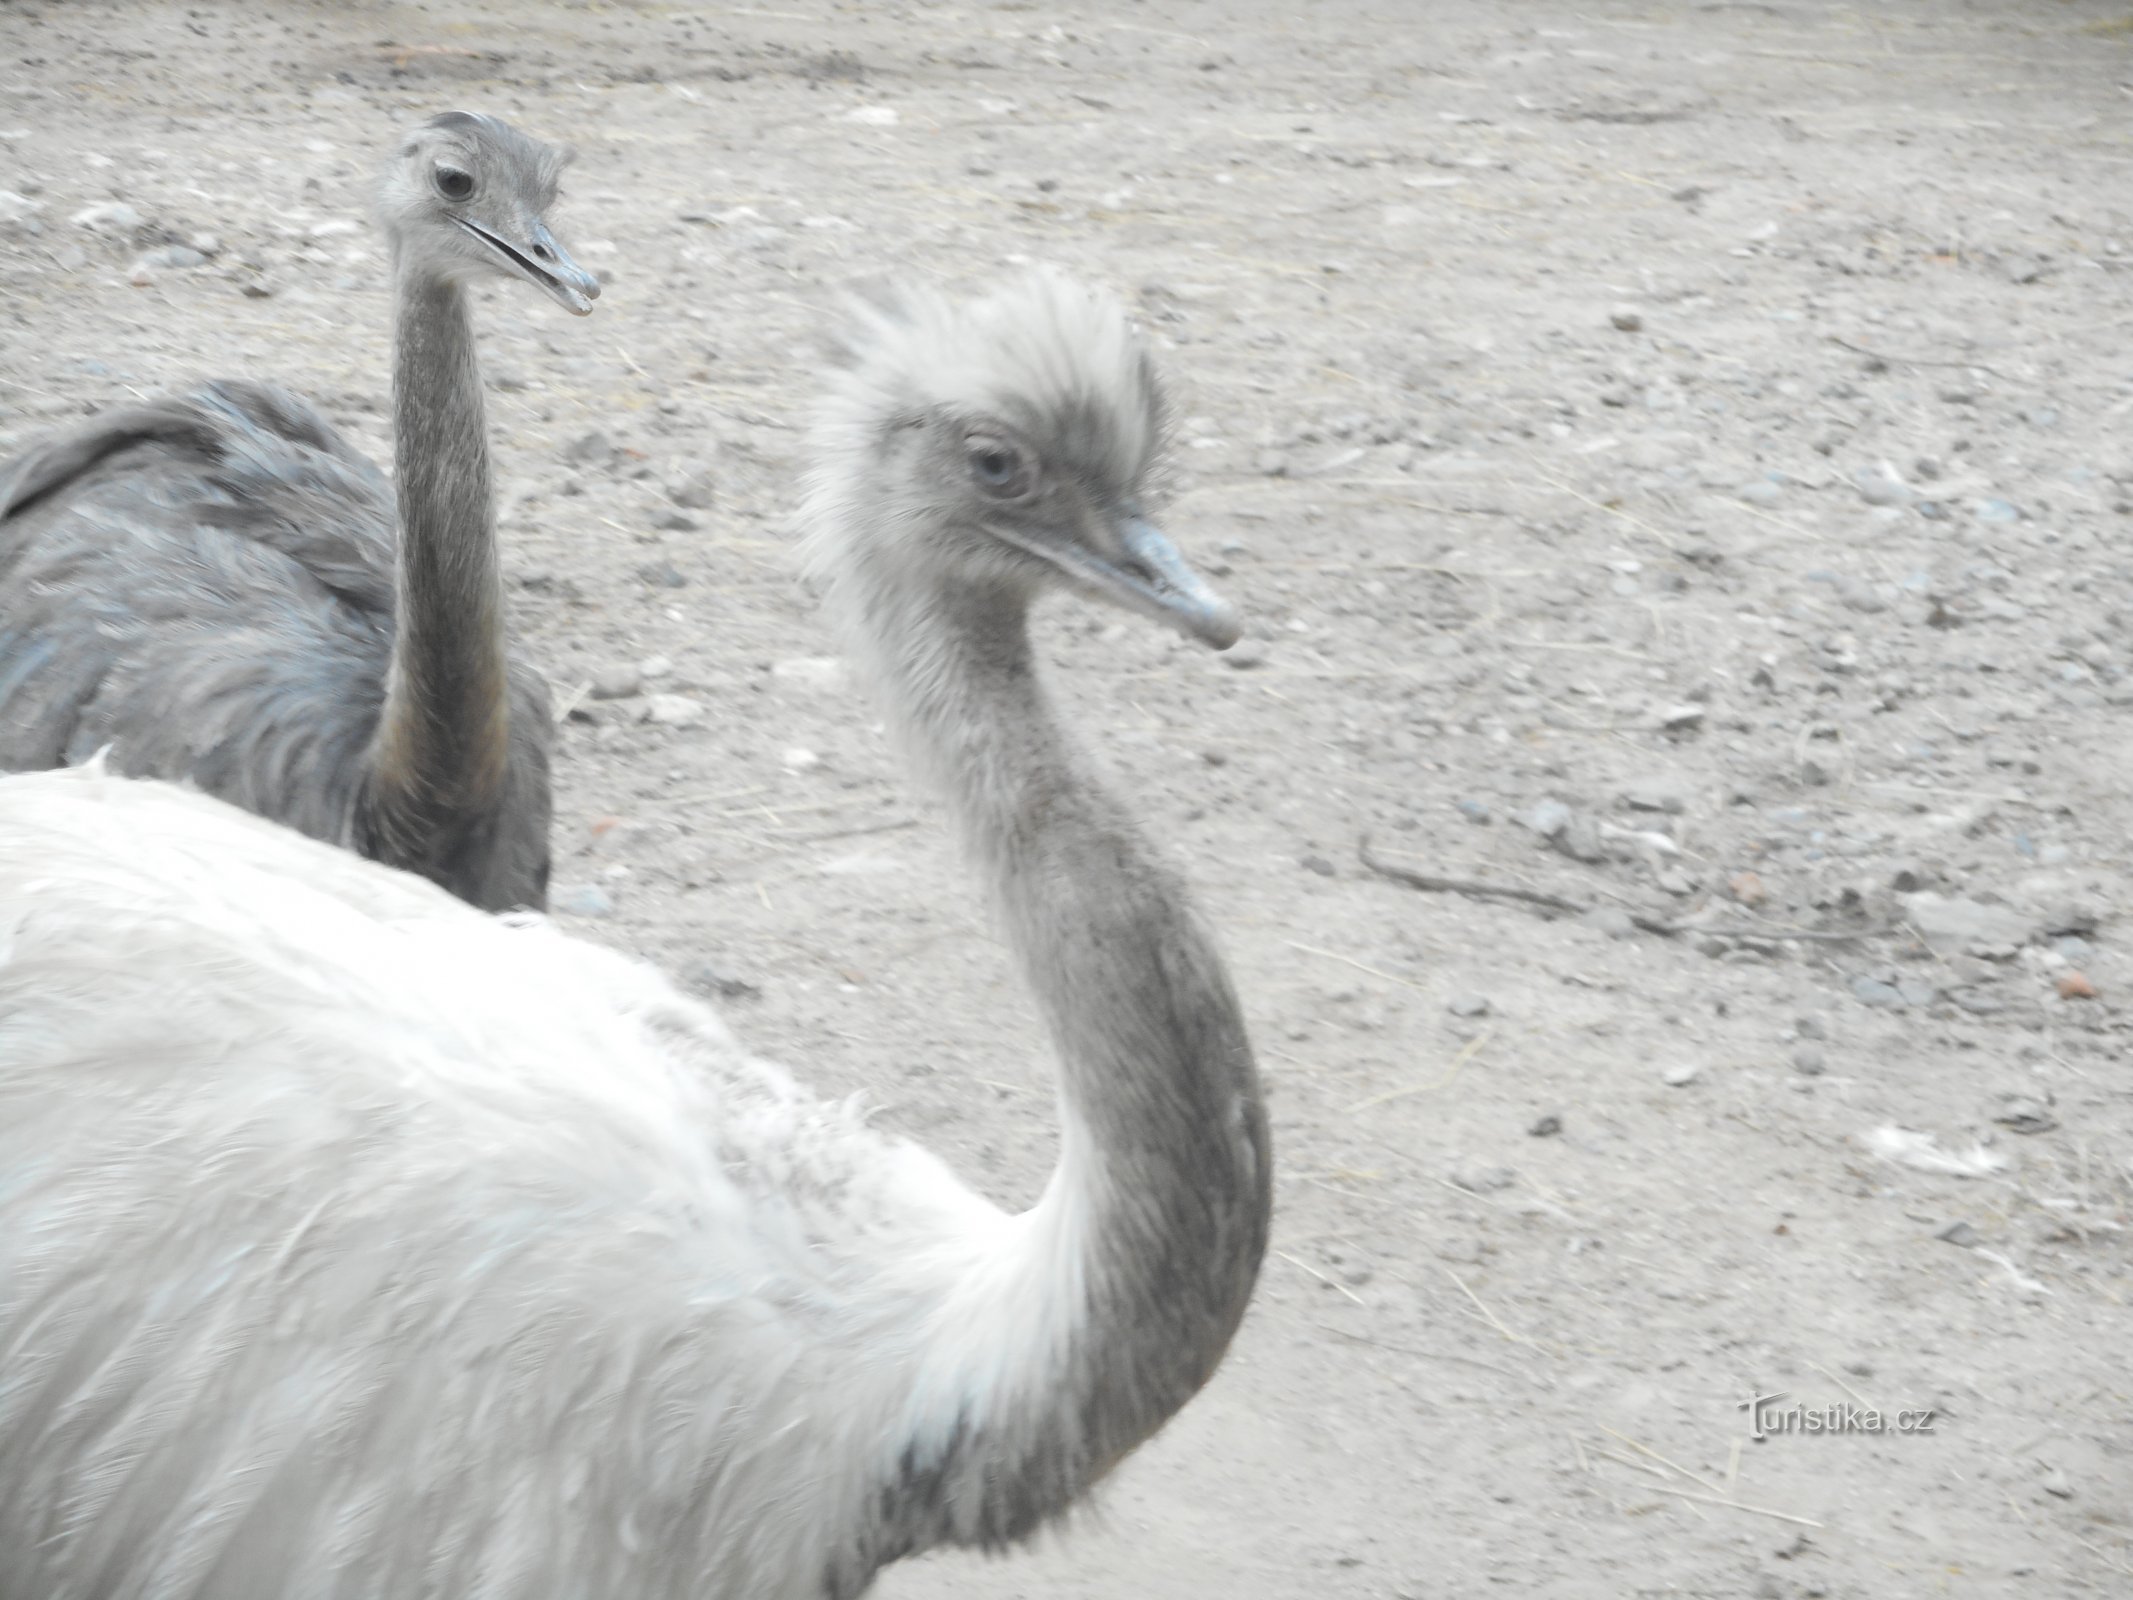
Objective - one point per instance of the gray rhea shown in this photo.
(219, 589)
(400, 1250)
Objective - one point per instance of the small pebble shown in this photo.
(616, 683)
(676, 522)
(112, 216)
(2075, 985)
(1271, 464)
(1807, 1061)
(673, 711)
(1245, 653)
(797, 759)
(1760, 492)
(586, 900)
(694, 487)
(714, 982)
(587, 449)
(2025, 1115)
(1546, 1127)
(1474, 811)
(1610, 920)
(1627, 318)
(1317, 864)
(1483, 1180)
(655, 667)
(663, 575)
(1469, 1005)
(1873, 992)
(1680, 1073)
(1880, 487)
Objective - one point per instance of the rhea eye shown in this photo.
(454, 183)
(997, 465)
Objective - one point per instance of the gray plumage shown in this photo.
(217, 587)
(354, 1244)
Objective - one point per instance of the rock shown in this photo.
(693, 486)
(1627, 318)
(1474, 811)
(797, 759)
(1879, 486)
(1271, 464)
(1483, 1180)
(714, 982)
(1917, 991)
(1955, 926)
(1545, 1127)
(1469, 1005)
(2075, 986)
(208, 244)
(1759, 492)
(1810, 1028)
(1959, 1233)
(1245, 654)
(655, 667)
(616, 683)
(1873, 992)
(111, 216)
(676, 522)
(1610, 920)
(2058, 1485)
(1746, 887)
(588, 449)
(1995, 511)
(1860, 597)
(1808, 1062)
(1317, 864)
(822, 674)
(1681, 1074)
(1681, 719)
(2024, 1114)
(15, 207)
(1548, 818)
(585, 900)
(663, 575)
(673, 711)
(1666, 792)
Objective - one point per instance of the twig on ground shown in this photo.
(1479, 889)
(1499, 891)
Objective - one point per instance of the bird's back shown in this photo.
(204, 584)
(355, 1243)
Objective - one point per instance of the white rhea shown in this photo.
(354, 1244)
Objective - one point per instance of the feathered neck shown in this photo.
(443, 739)
(1110, 1303)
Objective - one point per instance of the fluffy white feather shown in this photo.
(327, 1197)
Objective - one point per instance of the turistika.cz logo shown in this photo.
(1768, 1416)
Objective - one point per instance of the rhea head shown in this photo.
(468, 196)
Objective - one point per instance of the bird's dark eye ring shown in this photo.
(997, 465)
(454, 183)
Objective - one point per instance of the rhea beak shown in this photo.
(544, 263)
(1149, 576)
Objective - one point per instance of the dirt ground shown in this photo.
(1707, 418)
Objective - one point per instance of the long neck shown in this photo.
(1111, 1302)
(442, 740)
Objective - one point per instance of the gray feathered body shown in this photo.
(205, 584)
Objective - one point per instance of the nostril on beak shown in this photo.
(544, 252)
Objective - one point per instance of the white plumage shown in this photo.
(354, 1243)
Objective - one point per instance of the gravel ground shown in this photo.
(1673, 459)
